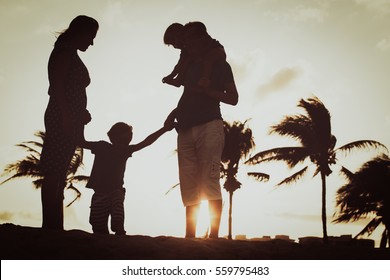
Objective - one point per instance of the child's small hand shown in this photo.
(165, 79)
(170, 81)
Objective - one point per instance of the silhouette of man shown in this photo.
(200, 130)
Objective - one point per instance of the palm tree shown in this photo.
(313, 131)
(239, 143)
(29, 166)
(367, 192)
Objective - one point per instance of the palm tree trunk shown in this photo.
(324, 229)
(230, 214)
(384, 238)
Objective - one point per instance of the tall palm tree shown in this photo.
(313, 131)
(29, 166)
(239, 143)
(367, 192)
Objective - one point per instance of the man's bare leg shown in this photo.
(215, 211)
(191, 220)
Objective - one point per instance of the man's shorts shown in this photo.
(199, 153)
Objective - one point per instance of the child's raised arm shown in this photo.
(86, 144)
(151, 138)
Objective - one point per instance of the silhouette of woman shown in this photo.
(65, 115)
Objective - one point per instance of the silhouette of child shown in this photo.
(175, 35)
(107, 175)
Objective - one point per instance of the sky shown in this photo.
(280, 51)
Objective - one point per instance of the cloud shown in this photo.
(299, 216)
(317, 11)
(2, 77)
(114, 15)
(245, 65)
(279, 80)
(45, 29)
(383, 44)
(303, 14)
(387, 121)
(6, 216)
(381, 7)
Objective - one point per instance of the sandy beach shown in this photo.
(28, 243)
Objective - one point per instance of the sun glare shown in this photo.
(203, 220)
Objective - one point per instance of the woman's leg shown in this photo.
(52, 196)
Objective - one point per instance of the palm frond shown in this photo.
(291, 155)
(38, 182)
(171, 188)
(346, 173)
(366, 190)
(320, 168)
(28, 148)
(370, 227)
(231, 184)
(295, 177)
(78, 194)
(77, 161)
(258, 176)
(80, 178)
(27, 167)
(362, 144)
(384, 239)
(40, 134)
(30, 167)
(239, 141)
(353, 203)
(297, 127)
(319, 116)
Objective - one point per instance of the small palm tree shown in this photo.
(29, 166)
(313, 131)
(367, 192)
(239, 143)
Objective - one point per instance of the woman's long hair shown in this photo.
(79, 25)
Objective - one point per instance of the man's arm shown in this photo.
(170, 121)
(151, 138)
(228, 96)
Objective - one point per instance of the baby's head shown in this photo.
(195, 37)
(120, 133)
(174, 35)
(195, 29)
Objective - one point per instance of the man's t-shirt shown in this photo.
(196, 108)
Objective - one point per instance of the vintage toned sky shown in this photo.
(280, 52)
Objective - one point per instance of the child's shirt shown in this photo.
(108, 167)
